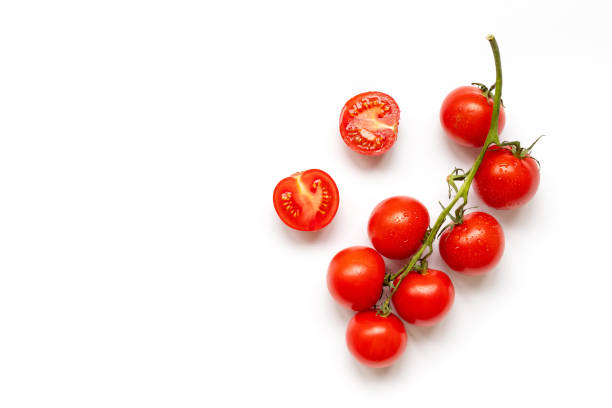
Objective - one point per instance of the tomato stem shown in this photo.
(394, 280)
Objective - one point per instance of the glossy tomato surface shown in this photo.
(475, 246)
(307, 200)
(505, 181)
(424, 299)
(368, 123)
(397, 226)
(355, 277)
(374, 340)
(466, 116)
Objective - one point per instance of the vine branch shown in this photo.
(419, 260)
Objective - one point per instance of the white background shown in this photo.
(142, 263)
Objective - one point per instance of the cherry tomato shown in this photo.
(368, 123)
(397, 226)
(424, 299)
(355, 277)
(505, 181)
(307, 200)
(466, 116)
(475, 246)
(374, 340)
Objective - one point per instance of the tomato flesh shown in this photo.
(374, 340)
(307, 200)
(475, 246)
(369, 122)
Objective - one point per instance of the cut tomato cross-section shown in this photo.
(368, 123)
(307, 200)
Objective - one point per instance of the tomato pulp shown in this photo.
(307, 200)
(368, 123)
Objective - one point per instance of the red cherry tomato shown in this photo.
(397, 226)
(505, 181)
(374, 340)
(474, 246)
(424, 299)
(466, 116)
(368, 123)
(355, 277)
(307, 200)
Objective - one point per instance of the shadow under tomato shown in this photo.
(394, 265)
(368, 374)
(343, 314)
(524, 214)
(464, 153)
(305, 237)
(424, 333)
(365, 162)
(473, 283)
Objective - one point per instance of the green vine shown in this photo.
(419, 259)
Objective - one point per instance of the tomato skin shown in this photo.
(374, 340)
(355, 277)
(465, 116)
(424, 299)
(397, 226)
(504, 181)
(368, 123)
(475, 246)
(306, 200)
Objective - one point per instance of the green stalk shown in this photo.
(462, 193)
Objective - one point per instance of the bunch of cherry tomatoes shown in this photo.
(505, 176)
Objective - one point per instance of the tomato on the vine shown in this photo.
(368, 123)
(505, 180)
(307, 200)
(355, 277)
(375, 340)
(475, 246)
(466, 115)
(423, 299)
(397, 226)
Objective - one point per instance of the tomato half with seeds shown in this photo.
(368, 123)
(307, 200)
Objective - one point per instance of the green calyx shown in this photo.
(521, 152)
(487, 92)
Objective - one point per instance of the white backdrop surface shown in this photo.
(142, 263)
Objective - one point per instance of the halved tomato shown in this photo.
(368, 123)
(307, 200)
